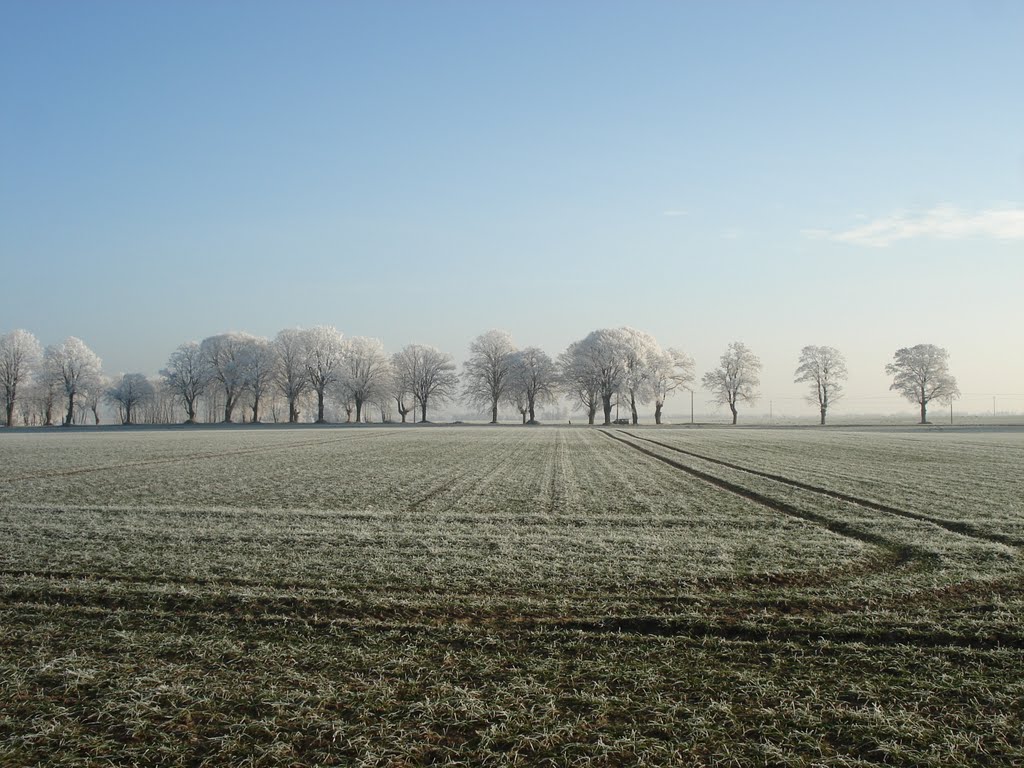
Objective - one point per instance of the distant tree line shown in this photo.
(318, 374)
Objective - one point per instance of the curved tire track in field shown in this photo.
(178, 459)
(953, 526)
(904, 552)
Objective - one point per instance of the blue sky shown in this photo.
(779, 173)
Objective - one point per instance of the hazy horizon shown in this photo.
(783, 175)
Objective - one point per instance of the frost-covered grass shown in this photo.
(503, 595)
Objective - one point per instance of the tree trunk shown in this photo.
(423, 410)
(293, 412)
(524, 416)
(657, 412)
(320, 406)
(632, 406)
(229, 406)
(494, 412)
(924, 412)
(606, 403)
(359, 410)
(591, 413)
(127, 413)
(255, 409)
(533, 415)
(823, 415)
(10, 412)
(71, 410)
(733, 409)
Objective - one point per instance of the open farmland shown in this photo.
(502, 595)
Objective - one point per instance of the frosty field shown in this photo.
(504, 595)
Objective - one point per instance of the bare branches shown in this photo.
(824, 369)
(921, 374)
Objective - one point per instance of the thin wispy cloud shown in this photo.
(675, 213)
(943, 222)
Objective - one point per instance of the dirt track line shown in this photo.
(963, 529)
(201, 616)
(905, 552)
(169, 460)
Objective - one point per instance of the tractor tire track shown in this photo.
(183, 612)
(904, 552)
(953, 526)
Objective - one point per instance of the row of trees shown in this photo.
(311, 368)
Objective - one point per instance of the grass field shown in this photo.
(501, 595)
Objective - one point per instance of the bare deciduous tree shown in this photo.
(579, 380)
(292, 379)
(533, 381)
(671, 369)
(599, 360)
(324, 358)
(187, 376)
(430, 374)
(20, 354)
(641, 354)
(129, 393)
(74, 367)
(487, 372)
(258, 359)
(736, 379)
(367, 373)
(402, 385)
(224, 355)
(921, 374)
(824, 369)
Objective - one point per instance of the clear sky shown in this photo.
(782, 173)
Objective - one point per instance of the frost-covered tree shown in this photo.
(487, 371)
(74, 367)
(324, 359)
(672, 369)
(736, 379)
(430, 374)
(20, 355)
(402, 385)
(580, 380)
(600, 361)
(367, 373)
(129, 394)
(187, 375)
(641, 354)
(258, 359)
(40, 399)
(533, 381)
(225, 359)
(824, 370)
(921, 374)
(92, 397)
(292, 379)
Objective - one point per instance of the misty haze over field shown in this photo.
(849, 176)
